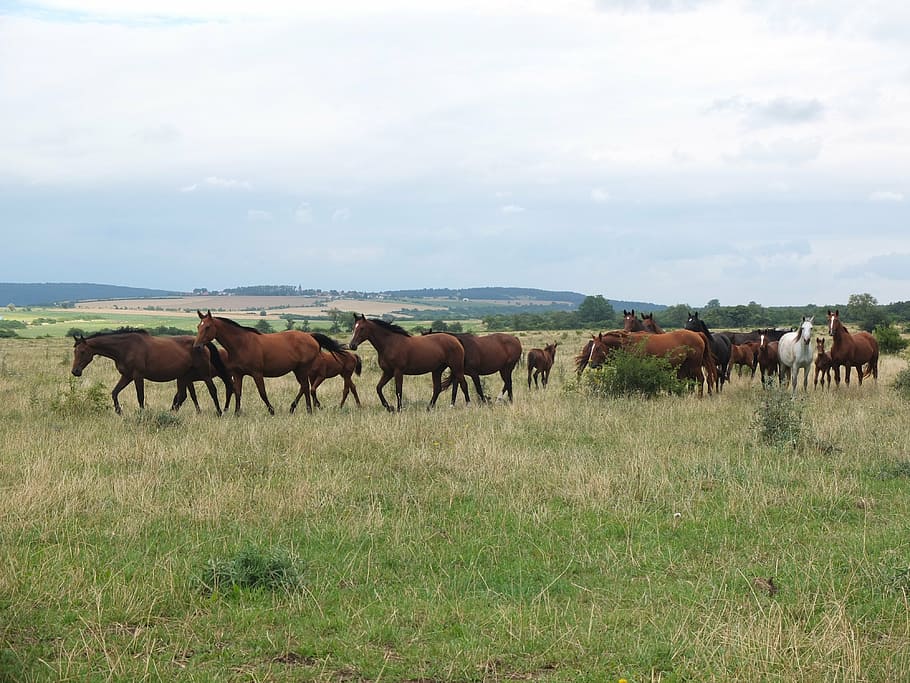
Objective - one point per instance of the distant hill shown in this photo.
(505, 294)
(41, 293)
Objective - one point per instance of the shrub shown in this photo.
(79, 401)
(901, 384)
(889, 338)
(252, 567)
(630, 373)
(779, 419)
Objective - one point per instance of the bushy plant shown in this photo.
(889, 338)
(779, 419)
(901, 384)
(252, 567)
(631, 373)
(78, 401)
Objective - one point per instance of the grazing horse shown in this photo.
(794, 351)
(743, 356)
(822, 363)
(540, 362)
(484, 355)
(767, 360)
(328, 365)
(851, 350)
(686, 351)
(720, 347)
(250, 352)
(138, 356)
(401, 354)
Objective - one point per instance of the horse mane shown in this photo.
(236, 324)
(122, 330)
(397, 329)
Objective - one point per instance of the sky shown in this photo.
(665, 151)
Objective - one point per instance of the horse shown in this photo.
(138, 356)
(484, 355)
(794, 351)
(743, 355)
(851, 350)
(328, 365)
(688, 352)
(650, 324)
(250, 352)
(767, 360)
(646, 324)
(540, 362)
(822, 363)
(720, 347)
(401, 354)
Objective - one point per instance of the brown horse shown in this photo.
(328, 365)
(259, 355)
(822, 363)
(851, 351)
(484, 355)
(646, 324)
(743, 356)
(689, 352)
(138, 356)
(401, 354)
(767, 361)
(540, 362)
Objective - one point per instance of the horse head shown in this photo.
(833, 317)
(820, 345)
(206, 330)
(359, 333)
(805, 330)
(82, 355)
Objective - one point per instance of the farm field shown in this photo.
(561, 538)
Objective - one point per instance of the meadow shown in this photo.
(561, 538)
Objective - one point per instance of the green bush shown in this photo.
(901, 384)
(889, 338)
(779, 419)
(631, 373)
(252, 567)
(78, 401)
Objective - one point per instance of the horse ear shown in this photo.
(199, 313)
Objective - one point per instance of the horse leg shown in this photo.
(437, 387)
(530, 370)
(847, 369)
(238, 390)
(480, 395)
(506, 375)
(179, 397)
(192, 390)
(124, 380)
(353, 386)
(386, 376)
(260, 386)
(313, 386)
(303, 379)
(213, 392)
(139, 383)
(399, 388)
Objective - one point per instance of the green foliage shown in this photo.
(8, 334)
(629, 373)
(889, 338)
(271, 569)
(779, 419)
(901, 384)
(263, 326)
(595, 309)
(78, 401)
(158, 420)
(169, 331)
(12, 325)
(75, 332)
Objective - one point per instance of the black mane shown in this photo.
(397, 329)
(122, 330)
(236, 324)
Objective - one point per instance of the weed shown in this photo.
(901, 384)
(779, 419)
(627, 373)
(252, 567)
(79, 401)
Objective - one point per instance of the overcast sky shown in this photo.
(669, 151)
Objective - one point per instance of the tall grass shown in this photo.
(561, 538)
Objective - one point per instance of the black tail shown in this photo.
(359, 366)
(222, 371)
(327, 342)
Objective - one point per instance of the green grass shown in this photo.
(564, 538)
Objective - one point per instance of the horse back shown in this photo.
(161, 359)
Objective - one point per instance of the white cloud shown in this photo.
(303, 214)
(510, 209)
(341, 215)
(258, 216)
(886, 196)
(227, 183)
(599, 195)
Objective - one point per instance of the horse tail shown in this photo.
(327, 343)
(220, 368)
(708, 360)
(581, 360)
(447, 381)
(358, 365)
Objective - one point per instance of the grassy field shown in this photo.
(562, 538)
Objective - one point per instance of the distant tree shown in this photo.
(674, 316)
(439, 326)
(594, 310)
(263, 326)
(863, 309)
(713, 303)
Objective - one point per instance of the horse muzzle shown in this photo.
(352, 346)
(77, 372)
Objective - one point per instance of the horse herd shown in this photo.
(695, 352)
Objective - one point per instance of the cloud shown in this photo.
(774, 112)
(599, 195)
(341, 215)
(303, 214)
(648, 5)
(783, 151)
(163, 134)
(190, 188)
(778, 249)
(886, 196)
(258, 216)
(894, 266)
(227, 183)
(511, 209)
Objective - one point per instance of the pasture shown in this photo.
(562, 538)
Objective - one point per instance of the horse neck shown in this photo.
(231, 336)
(380, 338)
(110, 346)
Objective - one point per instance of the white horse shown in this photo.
(795, 351)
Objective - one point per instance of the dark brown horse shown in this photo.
(689, 352)
(401, 354)
(138, 356)
(485, 355)
(767, 361)
(259, 355)
(540, 362)
(851, 351)
(822, 363)
(328, 365)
